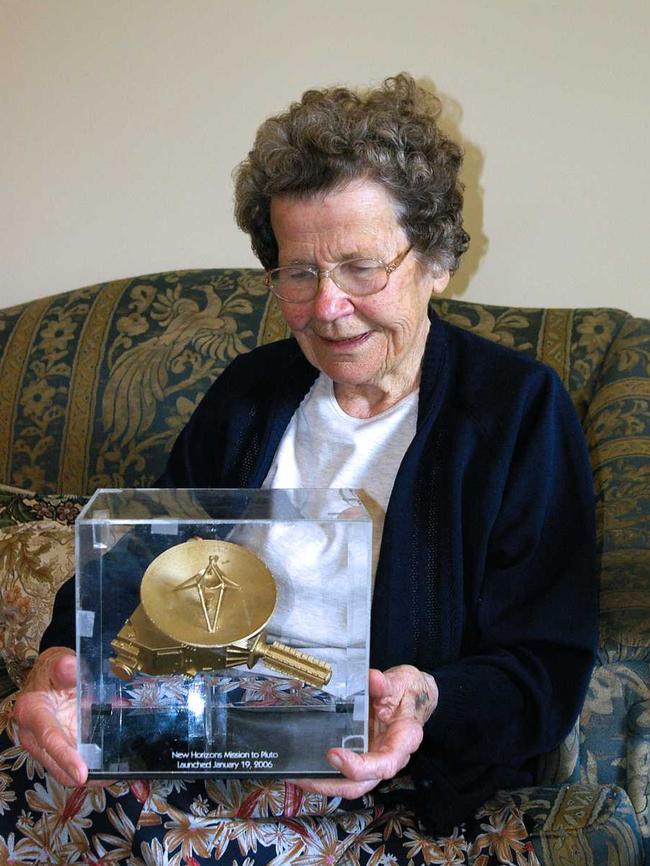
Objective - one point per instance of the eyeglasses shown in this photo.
(298, 284)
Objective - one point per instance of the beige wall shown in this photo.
(122, 120)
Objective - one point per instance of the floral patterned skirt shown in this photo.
(250, 822)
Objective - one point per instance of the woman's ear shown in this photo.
(440, 282)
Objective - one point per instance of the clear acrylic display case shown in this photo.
(221, 632)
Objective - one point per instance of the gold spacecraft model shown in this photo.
(204, 605)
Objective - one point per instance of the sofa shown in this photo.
(96, 383)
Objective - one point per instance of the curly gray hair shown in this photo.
(330, 137)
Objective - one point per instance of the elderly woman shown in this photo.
(469, 455)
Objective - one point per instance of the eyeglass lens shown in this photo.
(358, 277)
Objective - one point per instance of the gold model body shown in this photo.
(204, 605)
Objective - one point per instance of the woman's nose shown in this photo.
(331, 302)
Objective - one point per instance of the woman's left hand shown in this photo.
(401, 700)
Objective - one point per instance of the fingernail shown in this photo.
(335, 761)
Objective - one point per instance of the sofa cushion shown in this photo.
(36, 557)
(24, 506)
(581, 825)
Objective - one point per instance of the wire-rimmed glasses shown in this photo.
(298, 284)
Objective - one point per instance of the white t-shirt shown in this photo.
(323, 447)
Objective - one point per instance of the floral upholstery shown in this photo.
(36, 557)
(96, 383)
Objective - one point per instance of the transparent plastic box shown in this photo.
(221, 632)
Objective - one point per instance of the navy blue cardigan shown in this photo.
(486, 574)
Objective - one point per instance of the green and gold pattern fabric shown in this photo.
(618, 432)
(582, 825)
(96, 383)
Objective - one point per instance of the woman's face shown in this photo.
(376, 340)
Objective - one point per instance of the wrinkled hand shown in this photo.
(46, 716)
(401, 700)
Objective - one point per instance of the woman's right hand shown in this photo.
(46, 716)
